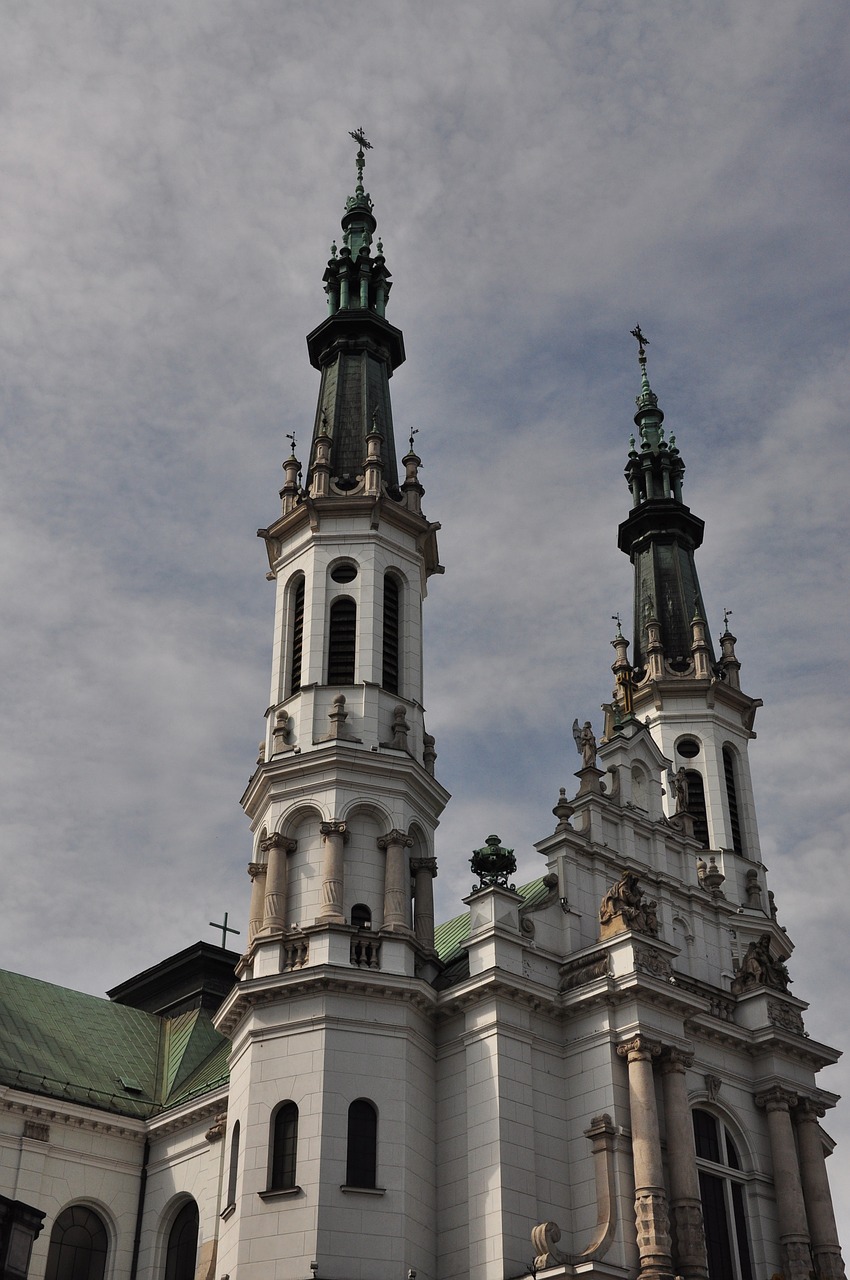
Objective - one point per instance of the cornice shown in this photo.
(257, 992)
(34, 1107)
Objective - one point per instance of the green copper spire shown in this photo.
(356, 349)
(661, 534)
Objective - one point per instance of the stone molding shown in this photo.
(639, 1048)
(423, 864)
(654, 963)
(257, 869)
(334, 828)
(577, 973)
(37, 1131)
(276, 841)
(674, 1059)
(776, 1099)
(785, 1016)
(397, 837)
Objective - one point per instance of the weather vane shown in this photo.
(642, 342)
(365, 145)
(360, 137)
(615, 617)
(414, 432)
(727, 614)
(290, 435)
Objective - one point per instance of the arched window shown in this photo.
(234, 1165)
(696, 806)
(721, 1187)
(297, 637)
(283, 1147)
(361, 916)
(78, 1246)
(732, 798)
(342, 633)
(361, 1168)
(392, 614)
(181, 1251)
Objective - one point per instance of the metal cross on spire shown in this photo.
(642, 342)
(365, 145)
(225, 930)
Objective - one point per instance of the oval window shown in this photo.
(345, 572)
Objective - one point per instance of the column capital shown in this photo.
(278, 841)
(424, 864)
(639, 1049)
(257, 869)
(808, 1109)
(776, 1099)
(334, 828)
(395, 837)
(675, 1060)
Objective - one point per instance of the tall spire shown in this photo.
(355, 348)
(660, 537)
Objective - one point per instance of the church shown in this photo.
(602, 1073)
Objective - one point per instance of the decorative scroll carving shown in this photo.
(759, 969)
(712, 1086)
(623, 908)
(546, 1235)
(648, 960)
(577, 973)
(785, 1016)
(639, 1047)
(218, 1128)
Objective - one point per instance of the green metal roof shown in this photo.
(448, 937)
(81, 1048)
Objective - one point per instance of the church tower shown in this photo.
(331, 1114)
(692, 701)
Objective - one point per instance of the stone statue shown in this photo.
(623, 907)
(680, 789)
(759, 969)
(585, 744)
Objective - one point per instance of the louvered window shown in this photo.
(297, 638)
(392, 602)
(732, 798)
(342, 641)
(696, 806)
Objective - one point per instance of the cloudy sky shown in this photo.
(545, 175)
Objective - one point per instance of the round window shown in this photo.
(688, 747)
(344, 572)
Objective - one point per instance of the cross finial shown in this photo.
(225, 930)
(615, 617)
(642, 342)
(365, 145)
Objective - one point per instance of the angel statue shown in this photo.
(585, 744)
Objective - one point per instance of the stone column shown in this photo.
(791, 1212)
(816, 1195)
(685, 1206)
(396, 882)
(424, 870)
(335, 836)
(651, 1219)
(275, 848)
(257, 872)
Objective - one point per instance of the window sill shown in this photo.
(365, 1191)
(282, 1194)
(227, 1212)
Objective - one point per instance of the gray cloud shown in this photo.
(544, 176)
